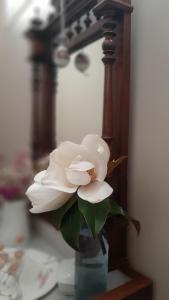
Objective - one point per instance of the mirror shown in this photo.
(80, 97)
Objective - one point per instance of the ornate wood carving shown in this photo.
(43, 90)
(88, 20)
(108, 60)
(111, 19)
(85, 23)
(116, 109)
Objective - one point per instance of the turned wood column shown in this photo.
(116, 51)
(43, 94)
(109, 90)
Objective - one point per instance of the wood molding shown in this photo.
(109, 58)
(120, 5)
(44, 72)
(116, 47)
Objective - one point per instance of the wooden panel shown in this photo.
(43, 139)
(116, 48)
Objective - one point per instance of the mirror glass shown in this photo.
(80, 96)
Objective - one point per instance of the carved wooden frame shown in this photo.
(112, 20)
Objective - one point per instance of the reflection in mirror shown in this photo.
(80, 97)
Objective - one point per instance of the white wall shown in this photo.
(80, 97)
(76, 93)
(14, 89)
(149, 141)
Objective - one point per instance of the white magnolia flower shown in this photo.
(80, 168)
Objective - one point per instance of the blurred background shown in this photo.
(15, 89)
(149, 116)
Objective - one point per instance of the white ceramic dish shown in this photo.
(37, 276)
(45, 238)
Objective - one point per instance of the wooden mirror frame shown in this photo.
(110, 19)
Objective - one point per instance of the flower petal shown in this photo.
(95, 192)
(67, 152)
(40, 176)
(78, 177)
(70, 189)
(45, 199)
(82, 166)
(95, 143)
(100, 167)
(55, 178)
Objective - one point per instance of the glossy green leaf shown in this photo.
(102, 210)
(70, 227)
(95, 215)
(135, 223)
(116, 209)
(86, 210)
(59, 213)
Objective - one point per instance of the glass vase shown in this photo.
(14, 223)
(91, 268)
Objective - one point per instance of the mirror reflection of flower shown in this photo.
(15, 178)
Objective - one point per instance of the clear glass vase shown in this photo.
(91, 269)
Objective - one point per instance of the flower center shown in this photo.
(92, 174)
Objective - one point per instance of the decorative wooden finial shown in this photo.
(107, 13)
(109, 42)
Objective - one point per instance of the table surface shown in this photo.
(115, 279)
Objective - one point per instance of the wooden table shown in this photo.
(139, 288)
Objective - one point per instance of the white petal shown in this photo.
(39, 194)
(67, 152)
(100, 167)
(55, 178)
(45, 199)
(40, 176)
(77, 177)
(66, 189)
(95, 143)
(95, 192)
(82, 166)
(56, 171)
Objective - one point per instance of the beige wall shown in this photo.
(149, 122)
(80, 97)
(149, 141)
(14, 89)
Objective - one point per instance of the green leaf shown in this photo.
(102, 210)
(135, 223)
(95, 214)
(59, 213)
(70, 227)
(116, 209)
(87, 210)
